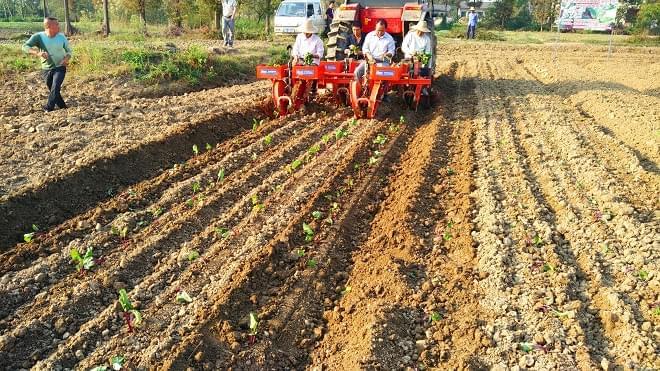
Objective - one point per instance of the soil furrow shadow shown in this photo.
(75, 193)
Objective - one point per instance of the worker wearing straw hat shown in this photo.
(307, 42)
(417, 41)
(473, 18)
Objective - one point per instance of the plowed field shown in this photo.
(513, 225)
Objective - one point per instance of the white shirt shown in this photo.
(228, 7)
(415, 44)
(304, 45)
(378, 46)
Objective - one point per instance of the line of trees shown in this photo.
(644, 15)
(177, 13)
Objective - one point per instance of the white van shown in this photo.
(292, 13)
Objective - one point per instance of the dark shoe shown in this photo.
(46, 109)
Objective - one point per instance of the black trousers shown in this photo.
(54, 79)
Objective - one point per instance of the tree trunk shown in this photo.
(218, 16)
(68, 29)
(106, 18)
(45, 9)
(143, 15)
(268, 11)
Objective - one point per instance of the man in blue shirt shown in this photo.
(473, 18)
(54, 50)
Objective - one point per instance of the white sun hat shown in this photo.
(421, 26)
(308, 27)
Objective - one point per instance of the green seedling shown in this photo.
(116, 364)
(334, 207)
(268, 139)
(526, 347)
(208, 147)
(656, 311)
(373, 160)
(256, 205)
(254, 156)
(253, 325)
(538, 241)
(356, 166)
(325, 139)
(328, 220)
(547, 267)
(354, 122)
(221, 175)
(341, 133)
(450, 171)
(29, 237)
(132, 316)
(402, 120)
(313, 150)
(295, 164)
(193, 255)
(346, 290)
(312, 263)
(300, 252)
(158, 212)
(380, 139)
(435, 317)
(182, 297)
(223, 232)
(85, 262)
(446, 236)
(190, 203)
(196, 187)
(393, 128)
(195, 149)
(643, 275)
(316, 214)
(256, 124)
(122, 233)
(309, 232)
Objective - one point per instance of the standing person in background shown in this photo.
(473, 18)
(54, 50)
(228, 17)
(329, 15)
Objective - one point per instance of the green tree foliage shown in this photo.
(648, 19)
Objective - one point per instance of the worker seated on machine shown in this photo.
(417, 46)
(308, 48)
(378, 48)
(355, 42)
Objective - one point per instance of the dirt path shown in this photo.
(513, 225)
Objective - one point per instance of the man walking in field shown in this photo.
(228, 18)
(54, 50)
(473, 18)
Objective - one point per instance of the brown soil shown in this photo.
(513, 225)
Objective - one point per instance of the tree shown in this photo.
(106, 18)
(544, 12)
(68, 28)
(648, 18)
(45, 9)
(499, 13)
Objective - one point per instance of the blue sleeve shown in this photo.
(31, 43)
(67, 47)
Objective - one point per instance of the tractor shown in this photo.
(406, 76)
(399, 14)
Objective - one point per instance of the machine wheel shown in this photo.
(337, 40)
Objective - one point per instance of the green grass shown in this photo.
(533, 37)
